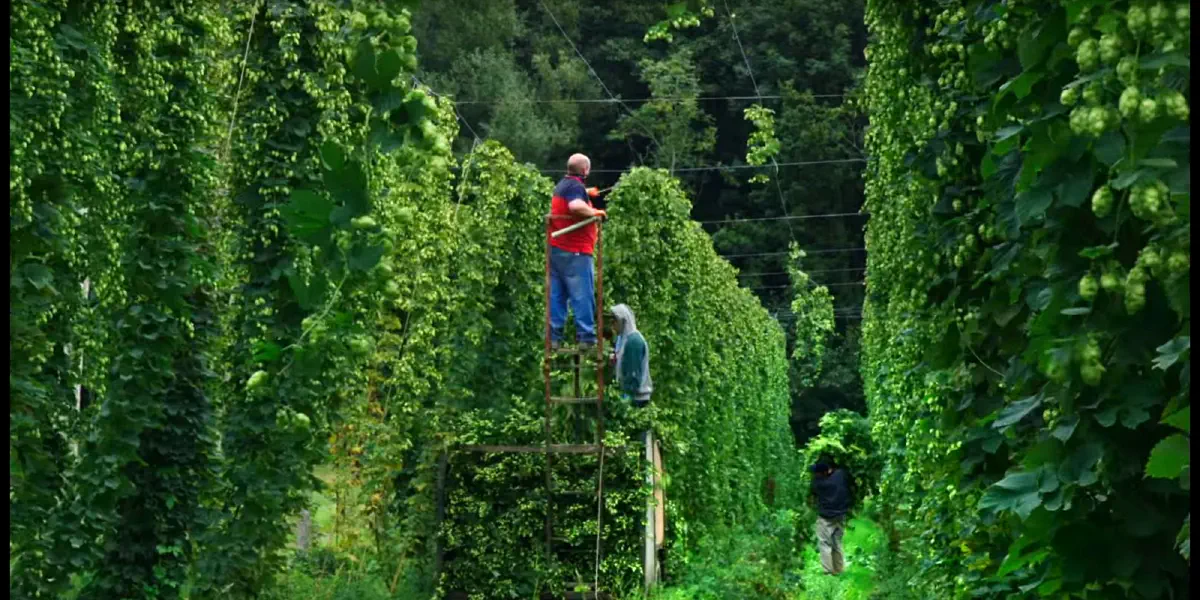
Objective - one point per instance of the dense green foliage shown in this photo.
(519, 81)
(720, 373)
(844, 439)
(280, 271)
(719, 405)
(1026, 335)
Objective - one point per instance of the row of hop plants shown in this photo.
(1026, 347)
(283, 269)
(234, 185)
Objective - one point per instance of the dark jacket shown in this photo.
(832, 493)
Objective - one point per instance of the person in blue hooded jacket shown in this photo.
(632, 357)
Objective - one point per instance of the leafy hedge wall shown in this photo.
(1026, 336)
(721, 403)
(844, 438)
(285, 271)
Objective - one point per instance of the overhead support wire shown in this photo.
(615, 101)
(827, 251)
(781, 287)
(805, 272)
(478, 139)
(731, 168)
(591, 70)
(779, 190)
(788, 218)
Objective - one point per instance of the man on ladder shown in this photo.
(572, 272)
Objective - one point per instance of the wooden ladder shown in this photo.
(577, 358)
(549, 448)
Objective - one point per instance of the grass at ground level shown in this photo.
(761, 562)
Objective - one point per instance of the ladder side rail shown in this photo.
(599, 396)
(546, 381)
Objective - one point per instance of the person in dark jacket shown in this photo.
(831, 489)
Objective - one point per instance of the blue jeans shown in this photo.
(572, 278)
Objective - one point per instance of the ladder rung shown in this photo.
(570, 400)
(573, 350)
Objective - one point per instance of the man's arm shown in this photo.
(578, 205)
(580, 208)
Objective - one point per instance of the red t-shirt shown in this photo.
(583, 239)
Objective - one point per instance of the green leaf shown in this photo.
(1133, 416)
(1021, 84)
(987, 167)
(38, 275)
(388, 66)
(1169, 457)
(1066, 426)
(307, 214)
(1180, 419)
(1075, 8)
(1108, 416)
(388, 100)
(364, 258)
(1183, 540)
(1174, 59)
(1005, 133)
(1016, 411)
(1129, 178)
(308, 296)
(364, 62)
(1017, 492)
(1095, 252)
(1078, 185)
(1079, 310)
(1033, 203)
(1079, 466)
(1012, 562)
(1158, 163)
(348, 186)
(266, 351)
(1170, 352)
(1108, 23)
(332, 155)
(1109, 148)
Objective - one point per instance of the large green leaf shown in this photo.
(307, 215)
(1180, 419)
(1169, 457)
(348, 186)
(388, 66)
(1032, 204)
(332, 155)
(1110, 148)
(364, 62)
(1036, 41)
(364, 258)
(1077, 186)
(1170, 352)
(1017, 492)
(1013, 413)
(38, 275)
(1078, 468)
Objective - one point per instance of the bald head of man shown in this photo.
(578, 165)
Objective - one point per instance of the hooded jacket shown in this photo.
(633, 357)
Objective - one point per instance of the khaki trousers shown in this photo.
(829, 540)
